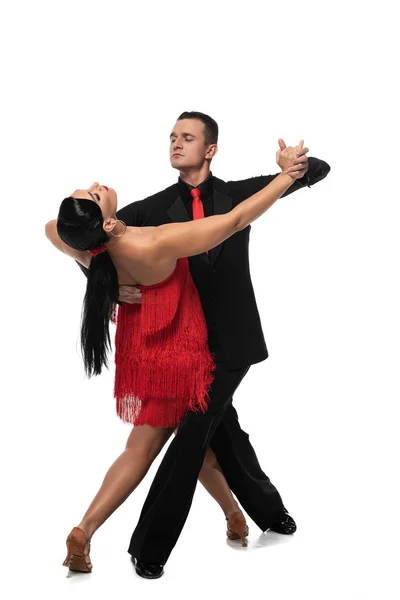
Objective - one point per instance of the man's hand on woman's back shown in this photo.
(129, 294)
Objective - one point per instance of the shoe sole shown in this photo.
(149, 576)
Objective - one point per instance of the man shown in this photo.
(235, 337)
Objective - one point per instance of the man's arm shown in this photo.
(134, 214)
(317, 170)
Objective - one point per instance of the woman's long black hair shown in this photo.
(80, 225)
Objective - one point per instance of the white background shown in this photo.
(90, 91)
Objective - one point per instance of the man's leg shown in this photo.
(168, 502)
(244, 475)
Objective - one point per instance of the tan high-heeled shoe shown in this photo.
(237, 528)
(78, 549)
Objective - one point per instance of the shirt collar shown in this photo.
(205, 187)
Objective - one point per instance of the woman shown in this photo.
(163, 366)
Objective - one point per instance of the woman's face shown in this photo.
(105, 197)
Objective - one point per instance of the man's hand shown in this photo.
(292, 159)
(129, 294)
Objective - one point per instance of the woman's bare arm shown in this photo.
(82, 257)
(177, 240)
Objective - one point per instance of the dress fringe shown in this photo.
(163, 364)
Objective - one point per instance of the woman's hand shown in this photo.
(292, 159)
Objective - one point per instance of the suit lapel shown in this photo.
(177, 211)
(223, 203)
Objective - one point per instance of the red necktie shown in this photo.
(197, 205)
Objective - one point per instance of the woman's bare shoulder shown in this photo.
(139, 259)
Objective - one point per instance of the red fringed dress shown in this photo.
(163, 364)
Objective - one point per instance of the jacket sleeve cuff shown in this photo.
(317, 170)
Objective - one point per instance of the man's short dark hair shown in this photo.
(210, 126)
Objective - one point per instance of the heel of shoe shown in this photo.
(237, 528)
(232, 535)
(78, 548)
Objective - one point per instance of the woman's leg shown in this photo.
(125, 474)
(212, 478)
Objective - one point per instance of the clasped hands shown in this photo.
(292, 159)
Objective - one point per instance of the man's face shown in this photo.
(187, 147)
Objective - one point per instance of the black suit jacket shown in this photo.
(222, 278)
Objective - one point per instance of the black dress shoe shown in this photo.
(284, 524)
(148, 570)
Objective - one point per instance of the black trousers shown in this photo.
(170, 496)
